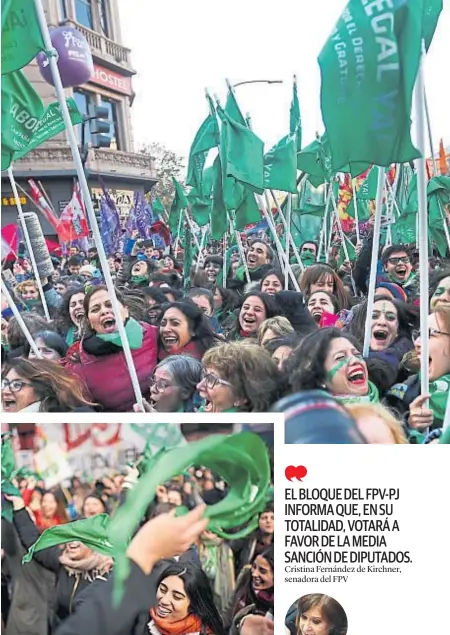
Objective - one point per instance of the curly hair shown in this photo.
(331, 610)
(56, 388)
(279, 325)
(251, 371)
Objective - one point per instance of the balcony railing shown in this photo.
(104, 48)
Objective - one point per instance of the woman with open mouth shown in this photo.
(392, 325)
(319, 614)
(98, 359)
(41, 385)
(321, 277)
(254, 590)
(331, 360)
(255, 308)
(423, 417)
(184, 328)
(184, 603)
(320, 303)
(239, 377)
(440, 285)
(140, 273)
(70, 320)
(173, 385)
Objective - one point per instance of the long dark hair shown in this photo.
(408, 318)
(306, 365)
(199, 324)
(63, 319)
(316, 272)
(270, 306)
(199, 592)
(230, 299)
(55, 387)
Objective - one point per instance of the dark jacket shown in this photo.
(395, 353)
(96, 615)
(67, 586)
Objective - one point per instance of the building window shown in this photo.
(113, 118)
(82, 99)
(103, 14)
(83, 13)
(62, 10)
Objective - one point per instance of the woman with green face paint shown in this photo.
(331, 360)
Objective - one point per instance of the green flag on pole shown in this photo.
(280, 165)
(157, 206)
(243, 153)
(8, 466)
(232, 108)
(218, 211)
(207, 137)
(21, 36)
(368, 75)
(295, 127)
(368, 189)
(179, 203)
(248, 211)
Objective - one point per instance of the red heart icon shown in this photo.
(295, 472)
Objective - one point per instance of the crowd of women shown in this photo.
(219, 343)
(187, 580)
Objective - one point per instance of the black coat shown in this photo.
(67, 586)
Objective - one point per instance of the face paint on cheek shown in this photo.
(330, 374)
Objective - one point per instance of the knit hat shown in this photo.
(395, 289)
(87, 270)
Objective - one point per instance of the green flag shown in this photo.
(92, 532)
(207, 137)
(232, 109)
(179, 203)
(368, 74)
(280, 165)
(200, 206)
(218, 209)
(157, 206)
(305, 227)
(314, 161)
(368, 189)
(21, 37)
(431, 12)
(242, 153)
(247, 212)
(294, 118)
(188, 257)
(241, 460)
(8, 466)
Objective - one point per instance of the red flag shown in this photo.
(43, 206)
(72, 222)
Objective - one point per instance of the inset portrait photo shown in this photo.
(316, 614)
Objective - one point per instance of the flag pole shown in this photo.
(224, 266)
(177, 239)
(323, 232)
(52, 58)
(374, 262)
(20, 320)
(237, 235)
(341, 234)
(423, 225)
(291, 240)
(28, 242)
(288, 235)
(272, 228)
(355, 207)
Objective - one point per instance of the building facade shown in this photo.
(120, 167)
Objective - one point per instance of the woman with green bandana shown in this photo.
(140, 272)
(239, 377)
(173, 385)
(98, 359)
(331, 360)
(406, 397)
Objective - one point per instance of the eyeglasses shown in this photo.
(160, 385)
(212, 380)
(431, 333)
(396, 260)
(15, 385)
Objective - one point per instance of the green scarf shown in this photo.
(133, 330)
(439, 394)
(412, 276)
(70, 336)
(31, 303)
(242, 460)
(371, 397)
(240, 272)
(139, 279)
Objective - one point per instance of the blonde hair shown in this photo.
(361, 410)
(279, 324)
(25, 284)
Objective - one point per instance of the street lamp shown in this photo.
(259, 81)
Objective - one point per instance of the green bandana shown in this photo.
(371, 397)
(134, 331)
(439, 394)
(403, 283)
(308, 258)
(242, 461)
(92, 532)
(8, 473)
(31, 303)
(139, 279)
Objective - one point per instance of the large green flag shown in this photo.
(368, 74)
(232, 109)
(305, 227)
(243, 153)
(25, 122)
(314, 161)
(21, 37)
(280, 165)
(431, 12)
(200, 206)
(179, 203)
(247, 212)
(157, 206)
(207, 137)
(368, 190)
(241, 460)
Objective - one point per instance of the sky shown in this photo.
(180, 48)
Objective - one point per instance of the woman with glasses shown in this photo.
(173, 385)
(239, 377)
(41, 385)
(397, 267)
(391, 329)
(425, 413)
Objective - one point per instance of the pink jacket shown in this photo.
(107, 377)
